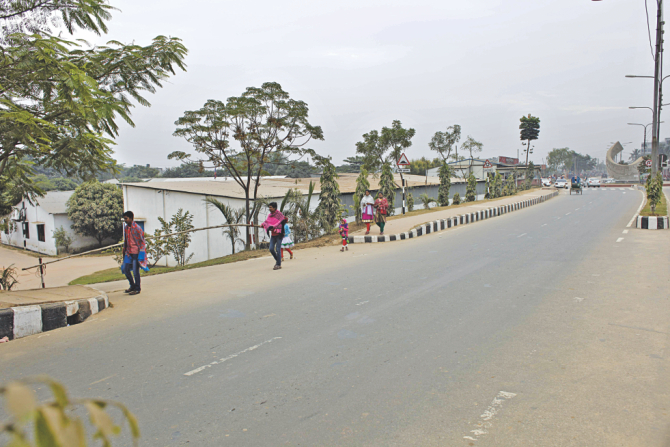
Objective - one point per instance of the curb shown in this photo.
(652, 222)
(461, 219)
(21, 321)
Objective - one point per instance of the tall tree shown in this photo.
(530, 175)
(473, 147)
(444, 142)
(445, 184)
(94, 209)
(559, 160)
(241, 134)
(530, 130)
(471, 189)
(387, 187)
(232, 216)
(60, 99)
(330, 206)
(386, 147)
(362, 185)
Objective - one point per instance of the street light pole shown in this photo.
(657, 87)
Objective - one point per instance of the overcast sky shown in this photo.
(360, 64)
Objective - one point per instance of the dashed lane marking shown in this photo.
(620, 239)
(625, 231)
(568, 213)
(231, 356)
(489, 414)
(522, 235)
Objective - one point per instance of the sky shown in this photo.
(360, 64)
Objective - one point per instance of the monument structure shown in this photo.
(616, 171)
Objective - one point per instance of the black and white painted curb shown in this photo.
(652, 223)
(461, 219)
(21, 321)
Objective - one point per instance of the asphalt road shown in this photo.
(546, 326)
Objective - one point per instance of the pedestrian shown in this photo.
(274, 226)
(134, 252)
(287, 243)
(381, 207)
(344, 232)
(367, 210)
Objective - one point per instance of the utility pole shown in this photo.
(657, 88)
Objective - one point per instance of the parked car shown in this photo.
(561, 183)
(546, 182)
(593, 183)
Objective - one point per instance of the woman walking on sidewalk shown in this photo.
(381, 207)
(274, 226)
(367, 210)
(287, 243)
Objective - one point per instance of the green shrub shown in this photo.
(457, 199)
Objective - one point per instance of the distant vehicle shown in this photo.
(593, 183)
(561, 183)
(546, 182)
(607, 181)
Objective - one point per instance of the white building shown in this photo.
(34, 225)
(463, 168)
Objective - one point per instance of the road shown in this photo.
(543, 327)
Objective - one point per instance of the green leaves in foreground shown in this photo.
(54, 422)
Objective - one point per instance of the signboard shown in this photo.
(662, 160)
(403, 160)
(648, 163)
(487, 165)
(403, 170)
(508, 160)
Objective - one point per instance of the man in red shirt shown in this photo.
(134, 251)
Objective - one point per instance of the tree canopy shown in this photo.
(386, 147)
(61, 99)
(95, 209)
(444, 142)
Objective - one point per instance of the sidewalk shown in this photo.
(57, 274)
(29, 312)
(408, 226)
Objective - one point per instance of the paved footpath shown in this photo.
(400, 225)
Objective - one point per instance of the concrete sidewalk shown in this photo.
(419, 224)
(29, 312)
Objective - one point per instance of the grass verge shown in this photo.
(114, 274)
(661, 208)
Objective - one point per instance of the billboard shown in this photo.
(508, 160)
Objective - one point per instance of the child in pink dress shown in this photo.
(344, 232)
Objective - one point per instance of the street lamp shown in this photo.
(644, 141)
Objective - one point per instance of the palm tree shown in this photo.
(426, 200)
(233, 217)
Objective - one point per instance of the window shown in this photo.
(26, 230)
(40, 233)
(141, 224)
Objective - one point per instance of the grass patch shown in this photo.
(114, 274)
(661, 208)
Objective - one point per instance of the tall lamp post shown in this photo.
(644, 141)
(658, 86)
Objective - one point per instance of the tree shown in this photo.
(497, 186)
(60, 100)
(473, 147)
(232, 216)
(178, 244)
(157, 244)
(444, 142)
(239, 135)
(351, 164)
(95, 210)
(530, 175)
(410, 200)
(471, 189)
(457, 199)
(530, 130)
(362, 185)
(510, 185)
(559, 160)
(420, 166)
(330, 206)
(62, 238)
(654, 188)
(387, 187)
(445, 185)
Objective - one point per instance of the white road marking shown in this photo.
(625, 231)
(638, 211)
(489, 414)
(521, 235)
(567, 214)
(232, 356)
(544, 225)
(620, 239)
(362, 302)
(103, 379)
(576, 209)
(578, 299)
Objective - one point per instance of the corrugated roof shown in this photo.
(54, 202)
(273, 188)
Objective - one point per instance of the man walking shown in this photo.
(134, 251)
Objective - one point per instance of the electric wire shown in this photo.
(651, 47)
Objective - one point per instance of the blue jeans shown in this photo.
(275, 248)
(133, 268)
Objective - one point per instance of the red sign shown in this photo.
(648, 163)
(403, 160)
(487, 164)
(508, 160)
